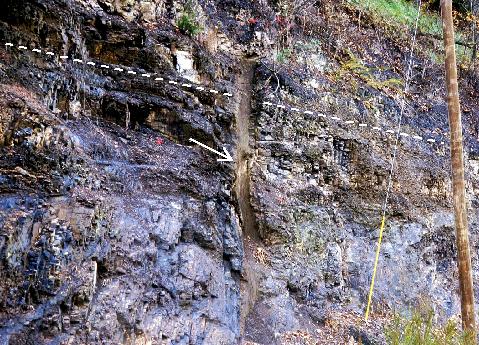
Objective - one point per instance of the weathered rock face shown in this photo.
(114, 230)
(319, 184)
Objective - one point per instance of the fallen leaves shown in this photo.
(261, 256)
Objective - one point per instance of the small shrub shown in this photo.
(420, 330)
(356, 67)
(307, 46)
(187, 24)
(283, 55)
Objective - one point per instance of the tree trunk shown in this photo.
(457, 162)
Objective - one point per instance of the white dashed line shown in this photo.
(362, 125)
(90, 63)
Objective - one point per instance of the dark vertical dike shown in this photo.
(242, 189)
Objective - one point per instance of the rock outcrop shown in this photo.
(116, 230)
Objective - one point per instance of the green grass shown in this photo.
(401, 12)
(420, 329)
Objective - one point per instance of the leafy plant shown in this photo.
(420, 330)
(187, 24)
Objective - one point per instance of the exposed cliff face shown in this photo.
(115, 230)
(320, 174)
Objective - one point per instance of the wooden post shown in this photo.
(457, 164)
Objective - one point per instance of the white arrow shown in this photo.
(226, 156)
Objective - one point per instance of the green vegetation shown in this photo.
(310, 45)
(420, 330)
(299, 47)
(404, 13)
(357, 68)
(187, 24)
(283, 55)
(401, 12)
